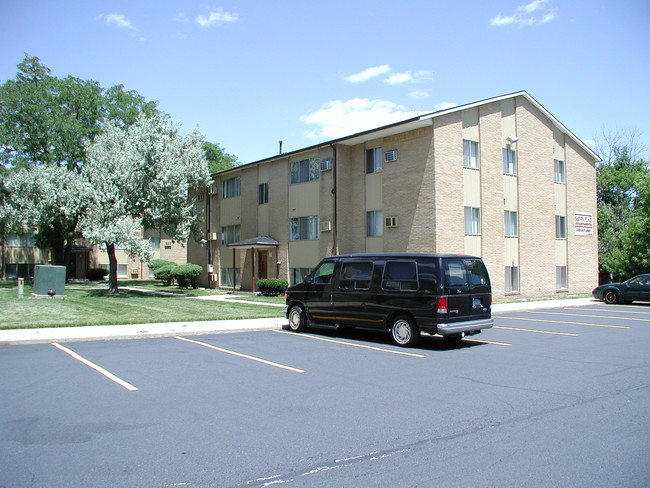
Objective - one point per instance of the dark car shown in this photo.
(637, 288)
(405, 294)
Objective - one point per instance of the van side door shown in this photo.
(317, 295)
(479, 288)
(351, 293)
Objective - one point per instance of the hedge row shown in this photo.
(271, 287)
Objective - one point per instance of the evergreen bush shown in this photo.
(96, 274)
(187, 275)
(271, 287)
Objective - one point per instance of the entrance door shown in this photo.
(263, 265)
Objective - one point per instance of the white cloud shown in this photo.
(117, 20)
(419, 94)
(341, 118)
(216, 17)
(408, 77)
(368, 73)
(534, 13)
(445, 105)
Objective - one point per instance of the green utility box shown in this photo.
(49, 280)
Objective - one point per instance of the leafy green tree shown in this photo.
(218, 159)
(140, 179)
(46, 121)
(623, 213)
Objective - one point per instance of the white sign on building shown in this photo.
(583, 224)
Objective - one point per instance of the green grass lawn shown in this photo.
(90, 304)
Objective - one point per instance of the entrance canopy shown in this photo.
(256, 242)
(259, 242)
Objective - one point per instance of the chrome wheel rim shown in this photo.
(294, 319)
(402, 331)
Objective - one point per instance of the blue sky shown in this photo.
(250, 73)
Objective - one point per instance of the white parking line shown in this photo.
(238, 354)
(97, 368)
(351, 344)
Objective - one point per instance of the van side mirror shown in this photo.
(309, 279)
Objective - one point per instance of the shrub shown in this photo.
(96, 274)
(165, 273)
(187, 275)
(271, 287)
(159, 263)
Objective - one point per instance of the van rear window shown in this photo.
(400, 275)
(356, 275)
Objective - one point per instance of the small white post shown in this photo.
(21, 287)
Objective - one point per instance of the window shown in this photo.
(512, 278)
(227, 275)
(373, 160)
(304, 170)
(471, 157)
(455, 273)
(304, 228)
(560, 278)
(155, 243)
(21, 240)
(324, 273)
(231, 187)
(356, 275)
(400, 275)
(230, 234)
(560, 227)
(511, 225)
(509, 161)
(560, 171)
(375, 223)
(298, 274)
(472, 221)
(262, 193)
(19, 270)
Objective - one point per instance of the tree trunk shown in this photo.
(2, 264)
(112, 269)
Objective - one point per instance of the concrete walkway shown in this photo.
(166, 329)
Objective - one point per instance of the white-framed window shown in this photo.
(304, 228)
(509, 161)
(231, 187)
(230, 234)
(263, 193)
(560, 226)
(373, 160)
(511, 223)
(561, 278)
(472, 221)
(374, 223)
(560, 171)
(512, 278)
(155, 243)
(21, 240)
(298, 274)
(304, 170)
(471, 158)
(227, 275)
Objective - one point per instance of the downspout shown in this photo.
(335, 243)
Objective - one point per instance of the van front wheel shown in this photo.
(404, 331)
(297, 320)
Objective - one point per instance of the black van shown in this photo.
(446, 294)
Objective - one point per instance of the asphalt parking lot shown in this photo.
(556, 397)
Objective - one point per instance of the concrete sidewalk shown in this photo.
(166, 329)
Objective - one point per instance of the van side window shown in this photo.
(400, 275)
(323, 274)
(478, 275)
(455, 274)
(356, 275)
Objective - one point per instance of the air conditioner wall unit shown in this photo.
(391, 221)
(213, 236)
(326, 226)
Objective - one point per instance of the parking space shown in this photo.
(235, 409)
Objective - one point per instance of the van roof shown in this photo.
(401, 255)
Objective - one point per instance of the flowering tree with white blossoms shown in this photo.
(140, 179)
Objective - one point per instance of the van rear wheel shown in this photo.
(297, 320)
(404, 331)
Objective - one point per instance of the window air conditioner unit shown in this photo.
(326, 226)
(391, 221)
(212, 189)
(167, 244)
(326, 165)
(213, 236)
(390, 156)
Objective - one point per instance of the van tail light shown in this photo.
(441, 305)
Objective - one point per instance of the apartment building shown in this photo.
(501, 178)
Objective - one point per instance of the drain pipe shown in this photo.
(335, 242)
